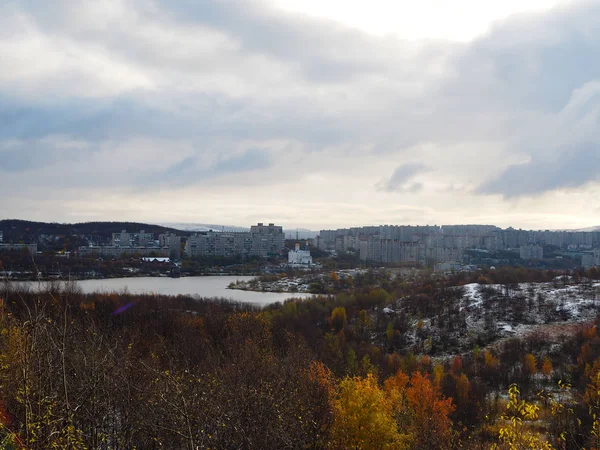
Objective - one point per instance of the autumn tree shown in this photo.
(431, 424)
(546, 368)
(529, 365)
(338, 319)
(516, 434)
(363, 417)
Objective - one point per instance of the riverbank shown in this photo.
(314, 283)
(10, 277)
(204, 287)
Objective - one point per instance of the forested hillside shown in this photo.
(143, 371)
(66, 236)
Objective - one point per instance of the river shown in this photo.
(209, 286)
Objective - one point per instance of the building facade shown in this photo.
(261, 240)
(172, 242)
(300, 257)
(591, 259)
(531, 252)
(126, 244)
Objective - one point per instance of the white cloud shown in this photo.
(426, 19)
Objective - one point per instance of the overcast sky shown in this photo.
(307, 113)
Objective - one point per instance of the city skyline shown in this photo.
(307, 114)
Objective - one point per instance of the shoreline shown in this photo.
(65, 280)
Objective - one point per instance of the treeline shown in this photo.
(66, 236)
(141, 371)
(122, 372)
(48, 263)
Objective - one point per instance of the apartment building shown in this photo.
(172, 242)
(377, 249)
(591, 259)
(262, 240)
(531, 252)
(134, 244)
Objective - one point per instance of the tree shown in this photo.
(546, 367)
(457, 365)
(431, 424)
(338, 319)
(351, 362)
(363, 417)
(592, 400)
(389, 333)
(463, 389)
(515, 434)
(529, 365)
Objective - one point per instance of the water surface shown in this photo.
(210, 286)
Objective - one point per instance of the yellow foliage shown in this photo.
(490, 361)
(438, 375)
(515, 434)
(338, 318)
(363, 417)
(463, 389)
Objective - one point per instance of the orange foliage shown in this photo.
(589, 333)
(585, 355)
(86, 306)
(463, 389)
(457, 365)
(529, 364)
(431, 413)
(425, 363)
(396, 383)
(490, 361)
(320, 374)
(547, 366)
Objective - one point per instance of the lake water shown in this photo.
(210, 286)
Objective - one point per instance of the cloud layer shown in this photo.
(200, 111)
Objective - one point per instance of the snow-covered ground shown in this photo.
(539, 303)
(488, 313)
(295, 284)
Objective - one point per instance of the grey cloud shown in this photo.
(400, 181)
(192, 170)
(199, 117)
(23, 155)
(250, 160)
(322, 51)
(572, 169)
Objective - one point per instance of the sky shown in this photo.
(311, 114)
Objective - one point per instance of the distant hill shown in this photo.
(596, 228)
(303, 233)
(58, 236)
(290, 233)
(103, 228)
(69, 236)
(195, 227)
